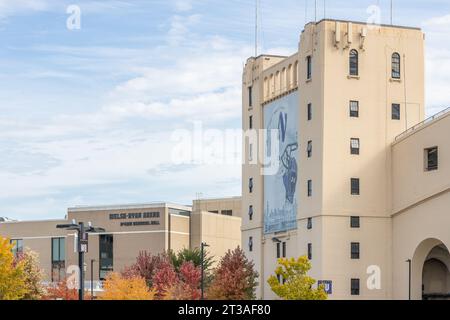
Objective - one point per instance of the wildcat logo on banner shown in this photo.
(280, 189)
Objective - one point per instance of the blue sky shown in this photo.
(87, 115)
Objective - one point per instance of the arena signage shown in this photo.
(149, 218)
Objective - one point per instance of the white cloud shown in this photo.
(183, 5)
(441, 21)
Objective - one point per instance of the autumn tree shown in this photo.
(146, 266)
(64, 290)
(234, 278)
(33, 275)
(164, 279)
(187, 286)
(118, 287)
(12, 279)
(291, 281)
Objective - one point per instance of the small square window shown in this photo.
(309, 188)
(309, 224)
(309, 149)
(355, 250)
(309, 111)
(354, 146)
(355, 187)
(431, 159)
(355, 287)
(355, 222)
(309, 251)
(354, 109)
(395, 111)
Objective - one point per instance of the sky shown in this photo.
(91, 109)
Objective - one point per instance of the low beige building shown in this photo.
(129, 229)
(341, 181)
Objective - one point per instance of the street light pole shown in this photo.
(81, 262)
(202, 252)
(82, 247)
(409, 278)
(92, 278)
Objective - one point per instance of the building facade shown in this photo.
(326, 173)
(129, 229)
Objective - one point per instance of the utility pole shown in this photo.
(202, 253)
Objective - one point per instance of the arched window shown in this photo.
(354, 63)
(396, 66)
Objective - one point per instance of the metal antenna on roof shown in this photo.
(392, 10)
(256, 28)
(315, 10)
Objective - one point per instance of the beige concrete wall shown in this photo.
(331, 167)
(420, 203)
(221, 233)
(37, 236)
(219, 205)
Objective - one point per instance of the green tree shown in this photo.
(190, 255)
(12, 279)
(295, 284)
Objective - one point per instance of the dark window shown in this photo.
(284, 249)
(308, 67)
(355, 187)
(309, 111)
(278, 250)
(355, 250)
(355, 222)
(17, 246)
(354, 146)
(353, 61)
(106, 255)
(250, 96)
(250, 185)
(354, 109)
(250, 122)
(431, 159)
(309, 251)
(214, 211)
(250, 244)
(250, 213)
(227, 212)
(309, 225)
(309, 188)
(309, 149)
(395, 111)
(58, 259)
(396, 66)
(355, 287)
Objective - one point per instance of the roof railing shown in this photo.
(420, 124)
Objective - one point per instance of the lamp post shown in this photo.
(202, 252)
(82, 247)
(92, 278)
(409, 278)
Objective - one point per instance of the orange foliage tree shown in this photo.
(118, 287)
(64, 290)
